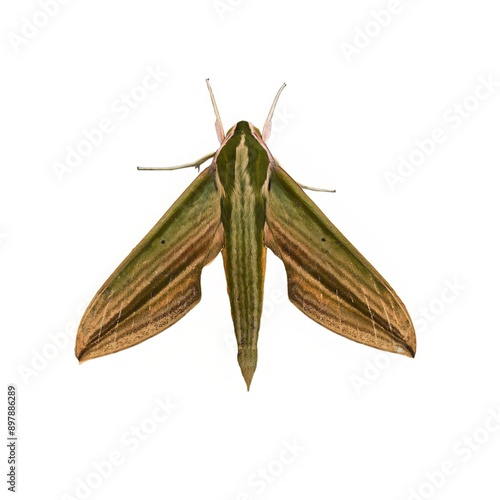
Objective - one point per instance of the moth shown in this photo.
(240, 205)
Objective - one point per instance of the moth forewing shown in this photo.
(328, 279)
(159, 281)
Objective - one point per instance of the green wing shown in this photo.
(328, 279)
(159, 282)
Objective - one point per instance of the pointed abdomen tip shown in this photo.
(247, 359)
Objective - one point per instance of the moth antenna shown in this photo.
(266, 130)
(197, 164)
(218, 122)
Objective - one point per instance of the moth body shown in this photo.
(242, 177)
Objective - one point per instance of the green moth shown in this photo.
(242, 204)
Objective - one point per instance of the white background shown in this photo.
(364, 424)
